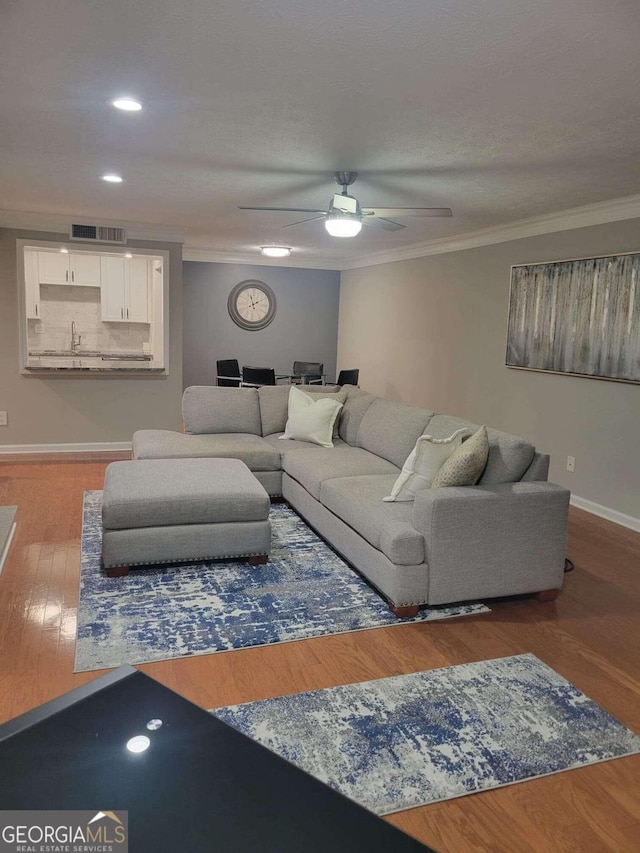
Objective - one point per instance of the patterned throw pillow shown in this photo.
(465, 465)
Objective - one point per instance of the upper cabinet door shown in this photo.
(31, 286)
(85, 269)
(53, 268)
(112, 293)
(137, 302)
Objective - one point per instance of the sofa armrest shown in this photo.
(489, 541)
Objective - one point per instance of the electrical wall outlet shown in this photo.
(39, 329)
(571, 463)
(3, 419)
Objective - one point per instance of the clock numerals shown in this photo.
(252, 305)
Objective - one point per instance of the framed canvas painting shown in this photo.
(579, 317)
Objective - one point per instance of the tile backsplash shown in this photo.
(59, 305)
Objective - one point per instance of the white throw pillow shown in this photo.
(311, 420)
(423, 463)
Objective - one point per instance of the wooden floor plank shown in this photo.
(589, 635)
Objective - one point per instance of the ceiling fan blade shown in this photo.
(409, 211)
(285, 209)
(300, 221)
(381, 222)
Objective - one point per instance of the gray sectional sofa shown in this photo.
(504, 536)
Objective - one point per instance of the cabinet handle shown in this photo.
(73, 275)
(66, 276)
(36, 309)
(127, 313)
(122, 313)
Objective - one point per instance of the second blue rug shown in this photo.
(396, 743)
(305, 590)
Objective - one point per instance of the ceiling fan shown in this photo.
(345, 217)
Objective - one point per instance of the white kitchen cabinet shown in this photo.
(74, 268)
(53, 268)
(137, 290)
(32, 286)
(85, 269)
(125, 290)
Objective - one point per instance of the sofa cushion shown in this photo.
(391, 430)
(291, 444)
(466, 464)
(311, 469)
(353, 411)
(179, 492)
(209, 409)
(509, 458)
(509, 455)
(386, 526)
(274, 404)
(253, 450)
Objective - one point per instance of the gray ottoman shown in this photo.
(176, 510)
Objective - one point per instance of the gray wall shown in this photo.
(305, 326)
(53, 410)
(432, 332)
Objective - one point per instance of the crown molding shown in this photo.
(60, 224)
(614, 210)
(600, 213)
(256, 259)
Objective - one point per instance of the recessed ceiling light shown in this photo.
(127, 104)
(276, 251)
(64, 251)
(112, 179)
(128, 255)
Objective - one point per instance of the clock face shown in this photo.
(252, 305)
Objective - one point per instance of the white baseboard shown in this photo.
(7, 545)
(80, 447)
(606, 512)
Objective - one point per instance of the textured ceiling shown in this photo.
(501, 110)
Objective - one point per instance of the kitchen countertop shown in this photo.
(125, 356)
(90, 361)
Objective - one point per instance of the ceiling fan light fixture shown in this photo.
(341, 224)
(275, 251)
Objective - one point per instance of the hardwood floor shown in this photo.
(590, 635)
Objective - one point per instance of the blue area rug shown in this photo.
(305, 590)
(397, 743)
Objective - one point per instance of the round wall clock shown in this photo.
(252, 304)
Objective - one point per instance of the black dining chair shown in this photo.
(228, 373)
(253, 377)
(309, 372)
(348, 377)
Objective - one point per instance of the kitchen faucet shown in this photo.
(75, 338)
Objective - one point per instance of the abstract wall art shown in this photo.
(580, 317)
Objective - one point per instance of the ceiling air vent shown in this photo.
(98, 234)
